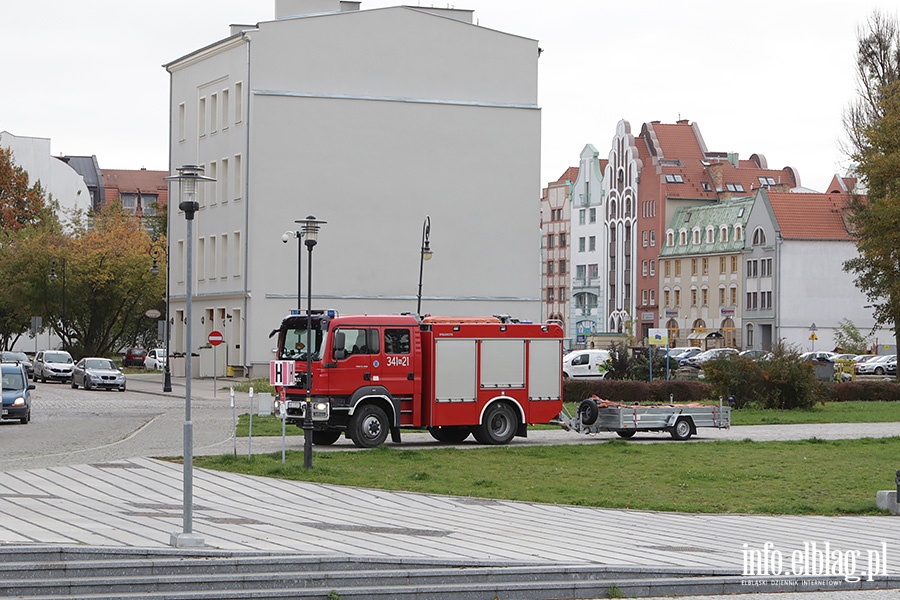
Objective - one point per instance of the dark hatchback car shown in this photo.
(16, 393)
(18, 357)
(134, 357)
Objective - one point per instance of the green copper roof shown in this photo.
(730, 213)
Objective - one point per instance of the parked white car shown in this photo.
(580, 364)
(156, 359)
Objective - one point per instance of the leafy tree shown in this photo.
(21, 204)
(873, 127)
(849, 338)
(103, 284)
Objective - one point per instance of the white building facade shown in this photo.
(370, 120)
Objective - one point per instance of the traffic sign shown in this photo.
(215, 338)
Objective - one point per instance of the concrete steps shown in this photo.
(39, 572)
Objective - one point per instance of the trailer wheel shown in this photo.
(325, 437)
(499, 425)
(450, 435)
(625, 433)
(368, 426)
(681, 430)
(588, 412)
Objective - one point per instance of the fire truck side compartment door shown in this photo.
(455, 371)
(544, 370)
(502, 364)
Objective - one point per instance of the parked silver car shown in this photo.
(55, 365)
(875, 366)
(699, 359)
(98, 373)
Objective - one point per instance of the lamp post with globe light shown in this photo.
(424, 254)
(310, 228)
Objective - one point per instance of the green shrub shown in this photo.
(782, 381)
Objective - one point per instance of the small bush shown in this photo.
(864, 391)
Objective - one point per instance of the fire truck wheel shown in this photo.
(450, 435)
(326, 437)
(588, 411)
(499, 425)
(368, 426)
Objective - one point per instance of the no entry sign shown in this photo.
(215, 338)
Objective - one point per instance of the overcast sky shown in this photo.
(768, 77)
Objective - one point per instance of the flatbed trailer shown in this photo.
(679, 420)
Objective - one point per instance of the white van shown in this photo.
(585, 363)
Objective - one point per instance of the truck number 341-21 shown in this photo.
(398, 361)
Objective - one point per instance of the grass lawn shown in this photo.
(838, 477)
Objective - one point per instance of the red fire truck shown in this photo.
(375, 374)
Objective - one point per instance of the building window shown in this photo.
(734, 187)
(223, 255)
(652, 268)
(734, 295)
(223, 176)
(667, 268)
(704, 296)
(562, 267)
(738, 233)
(181, 117)
(765, 267)
(693, 266)
(581, 216)
(645, 238)
(201, 117)
(592, 243)
(579, 272)
(652, 297)
(549, 294)
(705, 264)
(721, 265)
(765, 299)
(666, 297)
(652, 238)
(592, 215)
(723, 233)
(674, 178)
(238, 102)
(752, 268)
(677, 297)
(749, 335)
(693, 296)
(721, 296)
(644, 267)
(549, 267)
(734, 263)
(670, 239)
(706, 186)
(201, 258)
(581, 244)
(593, 271)
(759, 237)
(696, 236)
(562, 240)
(677, 267)
(710, 235)
(752, 300)
(225, 109)
(766, 180)
(643, 297)
(682, 237)
(212, 255)
(238, 176)
(213, 113)
(236, 249)
(562, 294)
(551, 241)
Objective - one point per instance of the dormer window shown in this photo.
(710, 235)
(723, 233)
(682, 237)
(670, 238)
(696, 233)
(759, 237)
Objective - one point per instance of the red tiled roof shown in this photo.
(810, 216)
(571, 174)
(130, 181)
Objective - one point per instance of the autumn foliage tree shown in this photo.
(22, 204)
(873, 126)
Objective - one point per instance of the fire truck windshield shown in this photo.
(293, 345)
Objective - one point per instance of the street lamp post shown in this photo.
(157, 250)
(310, 228)
(188, 177)
(285, 237)
(424, 254)
(54, 277)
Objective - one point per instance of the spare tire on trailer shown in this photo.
(588, 411)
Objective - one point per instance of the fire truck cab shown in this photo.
(372, 375)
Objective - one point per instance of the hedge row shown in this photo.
(637, 391)
(698, 391)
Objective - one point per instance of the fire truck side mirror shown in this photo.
(339, 352)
